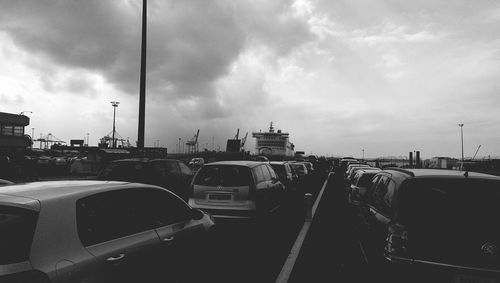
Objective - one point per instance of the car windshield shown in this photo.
(223, 175)
(17, 227)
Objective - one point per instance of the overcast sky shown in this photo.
(386, 77)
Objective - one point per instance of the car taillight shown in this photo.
(32, 276)
(397, 240)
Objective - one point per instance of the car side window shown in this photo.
(379, 194)
(185, 170)
(173, 168)
(259, 174)
(111, 215)
(272, 172)
(265, 171)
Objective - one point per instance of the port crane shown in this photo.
(192, 144)
(107, 141)
(243, 140)
(48, 140)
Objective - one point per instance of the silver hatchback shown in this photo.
(95, 231)
(237, 189)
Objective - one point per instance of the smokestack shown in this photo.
(417, 159)
(411, 158)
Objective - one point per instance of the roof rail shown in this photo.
(402, 170)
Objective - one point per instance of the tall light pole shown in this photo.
(462, 138)
(88, 142)
(142, 86)
(363, 157)
(32, 137)
(114, 104)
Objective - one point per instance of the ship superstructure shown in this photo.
(273, 143)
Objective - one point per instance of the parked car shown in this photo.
(237, 189)
(196, 162)
(345, 160)
(353, 170)
(361, 183)
(310, 168)
(300, 169)
(261, 158)
(171, 174)
(286, 174)
(349, 169)
(95, 231)
(428, 225)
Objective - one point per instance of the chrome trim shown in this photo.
(397, 259)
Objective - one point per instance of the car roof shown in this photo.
(47, 190)
(278, 162)
(246, 163)
(439, 173)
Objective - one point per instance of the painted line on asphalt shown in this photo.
(287, 268)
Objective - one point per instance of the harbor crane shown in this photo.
(192, 144)
(243, 140)
(48, 140)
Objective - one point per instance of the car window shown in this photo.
(265, 172)
(223, 175)
(185, 170)
(123, 171)
(259, 174)
(173, 167)
(280, 169)
(272, 172)
(379, 193)
(111, 215)
(17, 227)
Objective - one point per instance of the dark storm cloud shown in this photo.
(190, 43)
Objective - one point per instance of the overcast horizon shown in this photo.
(387, 77)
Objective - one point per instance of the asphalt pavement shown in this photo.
(330, 252)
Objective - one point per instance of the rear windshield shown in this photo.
(298, 167)
(456, 202)
(223, 175)
(17, 227)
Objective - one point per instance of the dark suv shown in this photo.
(428, 225)
(167, 173)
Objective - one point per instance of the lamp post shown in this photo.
(88, 142)
(114, 104)
(462, 138)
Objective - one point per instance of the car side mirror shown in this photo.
(196, 214)
(274, 180)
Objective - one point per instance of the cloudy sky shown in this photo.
(386, 77)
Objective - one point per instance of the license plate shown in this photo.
(219, 197)
(463, 278)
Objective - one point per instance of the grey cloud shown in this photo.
(190, 43)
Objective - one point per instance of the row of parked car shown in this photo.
(140, 217)
(427, 225)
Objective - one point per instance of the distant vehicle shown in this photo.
(171, 174)
(429, 225)
(299, 168)
(310, 167)
(95, 231)
(345, 160)
(260, 158)
(196, 162)
(237, 189)
(285, 173)
(353, 170)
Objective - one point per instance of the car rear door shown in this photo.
(112, 227)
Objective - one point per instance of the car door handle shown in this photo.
(115, 258)
(168, 239)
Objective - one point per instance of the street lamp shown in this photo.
(22, 112)
(114, 104)
(462, 138)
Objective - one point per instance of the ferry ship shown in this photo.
(273, 143)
